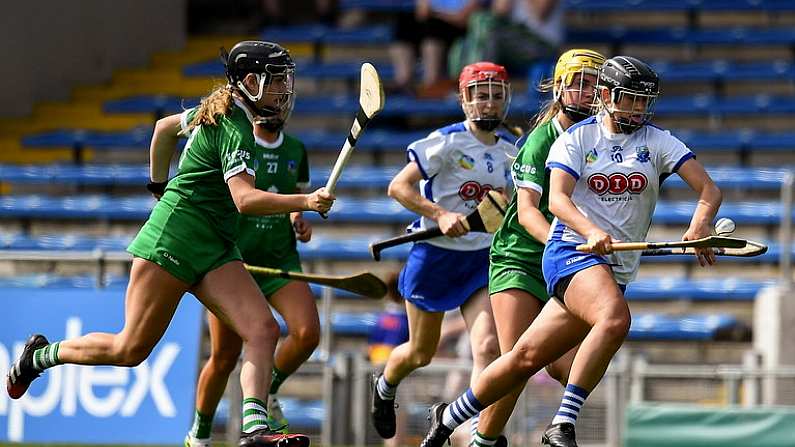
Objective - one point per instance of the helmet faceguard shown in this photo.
(485, 94)
(633, 89)
(567, 84)
(272, 96)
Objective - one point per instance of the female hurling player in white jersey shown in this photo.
(455, 167)
(605, 175)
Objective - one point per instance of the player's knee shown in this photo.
(224, 361)
(558, 373)
(616, 327)
(524, 359)
(421, 357)
(487, 348)
(307, 337)
(264, 333)
(131, 354)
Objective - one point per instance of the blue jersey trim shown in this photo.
(557, 233)
(411, 155)
(453, 128)
(682, 160)
(555, 164)
(428, 190)
(585, 122)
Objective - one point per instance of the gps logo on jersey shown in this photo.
(618, 183)
(473, 190)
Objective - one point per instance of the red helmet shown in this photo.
(481, 71)
(485, 94)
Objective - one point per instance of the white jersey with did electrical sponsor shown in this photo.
(618, 182)
(457, 172)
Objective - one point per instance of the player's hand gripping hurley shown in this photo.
(487, 218)
(371, 101)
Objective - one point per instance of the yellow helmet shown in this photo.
(570, 63)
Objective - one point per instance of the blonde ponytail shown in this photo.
(550, 108)
(218, 102)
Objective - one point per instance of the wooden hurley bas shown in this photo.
(364, 283)
(706, 242)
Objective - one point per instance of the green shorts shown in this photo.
(183, 242)
(269, 286)
(509, 273)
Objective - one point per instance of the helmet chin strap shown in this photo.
(487, 125)
(259, 118)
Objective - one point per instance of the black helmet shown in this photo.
(275, 71)
(625, 76)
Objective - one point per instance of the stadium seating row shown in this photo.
(381, 210)
(710, 71)
(356, 176)
(382, 34)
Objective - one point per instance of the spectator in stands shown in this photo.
(516, 282)
(594, 206)
(429, 31)
(515, 33)
(268, 241)
(390, 330)
(457, 166)
(188, 242)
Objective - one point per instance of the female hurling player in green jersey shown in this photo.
(516, 283)
(189, 241)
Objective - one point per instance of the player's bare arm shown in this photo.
(403, 188)
(250, 200)
(163, 146)
(561, 186)
(709, 200)
(529, 215)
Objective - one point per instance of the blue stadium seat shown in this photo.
(682, 36)
(657, 327)
(134, 138)
(705, 289)
(378, 5)
(304, 70)
(315, 33)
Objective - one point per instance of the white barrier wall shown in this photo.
(49, 46)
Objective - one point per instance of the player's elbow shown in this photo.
(556, 203)
(394, 189)
(715, 193)
(243, 202)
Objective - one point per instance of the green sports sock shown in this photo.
(255, 416)
(277, 379)
(46, 357)
(202, 426)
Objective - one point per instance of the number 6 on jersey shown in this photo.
(371, 101)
